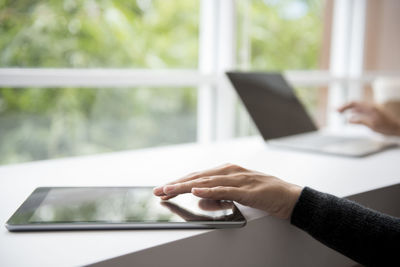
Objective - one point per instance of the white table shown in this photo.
(265, 241)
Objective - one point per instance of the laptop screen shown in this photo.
(272, 104)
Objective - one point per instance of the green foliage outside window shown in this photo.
(104, 33)
(284, 34)
(37, 123)
(280, 35)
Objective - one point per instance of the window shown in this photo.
(83, 76)
(50, 121)
(107, 33)
(280, 35)
(41, 123)
(277, 36)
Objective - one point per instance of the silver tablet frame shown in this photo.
(21, 227)
(123, 226)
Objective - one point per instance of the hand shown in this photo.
(232, 182)
(373, 117)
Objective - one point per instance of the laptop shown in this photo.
(283, 121)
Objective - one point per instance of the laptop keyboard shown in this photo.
(319, 140)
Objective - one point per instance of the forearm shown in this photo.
(367, 236)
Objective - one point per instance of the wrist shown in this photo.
(293, 194)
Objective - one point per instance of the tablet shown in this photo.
(101, 208)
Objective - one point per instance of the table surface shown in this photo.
(337, 175)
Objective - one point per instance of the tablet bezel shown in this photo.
(17, 224)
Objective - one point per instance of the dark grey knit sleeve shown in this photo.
(364, 235)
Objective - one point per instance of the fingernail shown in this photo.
(199, 191)
(168, 189)
(157, 190)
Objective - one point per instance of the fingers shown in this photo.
(213, 181)
(364, 120)
(220, 170)
(165, 197)
(158, 191)
(347, 106)
(363, 113)
(220, 193)
(356, 107)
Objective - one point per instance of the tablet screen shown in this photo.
(122, 204)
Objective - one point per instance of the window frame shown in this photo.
(217, 54)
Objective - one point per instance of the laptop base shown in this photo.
(331, 144)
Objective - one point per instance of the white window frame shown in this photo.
(346, 55)
(217, 54)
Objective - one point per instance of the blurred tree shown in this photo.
(81, 33)
(37, 123)
(282, 34)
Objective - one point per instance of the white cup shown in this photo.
(387, 94)
(386, 89)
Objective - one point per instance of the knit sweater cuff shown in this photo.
(309, 201)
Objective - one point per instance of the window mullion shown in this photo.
(346, 55)
(225, 96)
(207, 66)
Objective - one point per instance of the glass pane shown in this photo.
(276, 36)
(313, 100)
(280, 35)
(106, 33)
(39, 123)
